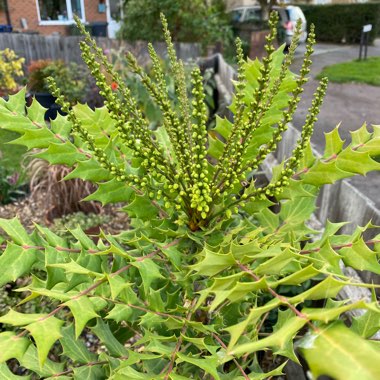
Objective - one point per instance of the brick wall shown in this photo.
(27, 9)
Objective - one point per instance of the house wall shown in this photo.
(27, 9)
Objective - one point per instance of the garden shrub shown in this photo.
(195, 21)
(72, 78)
(352, 18)
(186, 291)
(11, 70)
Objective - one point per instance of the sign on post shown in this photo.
(367, 28)
(364, 40)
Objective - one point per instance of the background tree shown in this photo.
(192, 21)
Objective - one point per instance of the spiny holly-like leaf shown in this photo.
(328, 314)
(90, 372)
(12, 346)
(31, 362)
(359, 256)
(208, 363)
(367, 324)
(6, 374)
(263, 376)
(16, 261)
(334, 143)
(104, 333)
(35, 138)
(62, 154)
(15, 318)
(16, 231)
(75, 348)
(45, 333)
(212, 263)
(142, 208)
(149, 272)
(83, 310)
(278, 340)
(111, 192)
(328, 288)
(89, 170)
(336, 163)
(336, 351)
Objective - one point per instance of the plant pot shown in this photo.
(48, 101)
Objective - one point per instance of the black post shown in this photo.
(366, 45)
(361, 45)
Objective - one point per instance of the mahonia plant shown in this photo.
(209, 278)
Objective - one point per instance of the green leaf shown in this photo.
(336, 351)
(367, 324)
(117, 284)
(83, 311)
(334, 143)
(328, 288)
(6, 374)
(104, 333)
(208, 363)
(30, 361)
(45, 333)
(213, 263)
(149, 272)
(359, 256)
(141, 208)
(62, 153)
(74, 348)
(15, 262)
(90, 372)
(12, 346)
(278, 340)
(35, 138)
(89, 170)
(112, 191)
(15, 318)
(16, 231)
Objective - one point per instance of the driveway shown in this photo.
(349, 104)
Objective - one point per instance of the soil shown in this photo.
(32, 210)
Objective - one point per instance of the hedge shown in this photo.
(343, 22)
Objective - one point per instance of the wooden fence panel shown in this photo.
(33, 47)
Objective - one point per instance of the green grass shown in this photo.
(11, 155)
(365, 71)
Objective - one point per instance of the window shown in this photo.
(59, 11)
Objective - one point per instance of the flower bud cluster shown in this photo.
(230, 166)
(288, 113)
(200, 190)
(172, 123)
(84, 135)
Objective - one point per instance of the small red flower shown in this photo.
(114, 86)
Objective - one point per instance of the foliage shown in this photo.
(72, 78)
(365, 71)
(195, 21)
(352, 17)
(186, 291)
(11, 69)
